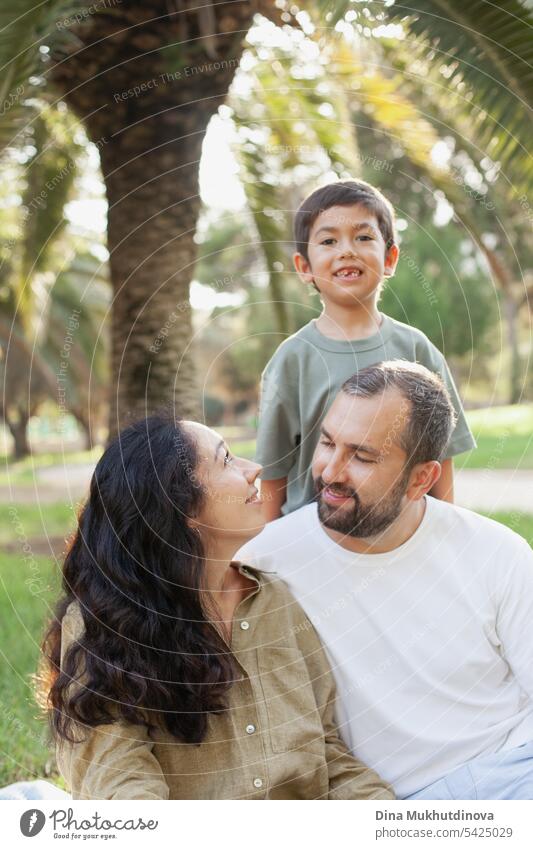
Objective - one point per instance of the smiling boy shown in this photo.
(345, 248)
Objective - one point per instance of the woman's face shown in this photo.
(232, 510)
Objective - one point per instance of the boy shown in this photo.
(345, 247)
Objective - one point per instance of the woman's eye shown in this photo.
(325, 443)
(227, 458)
(365, 238)
(327, 242)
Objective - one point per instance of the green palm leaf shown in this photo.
(23, 25)
(483, 53)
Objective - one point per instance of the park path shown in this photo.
(479, 489)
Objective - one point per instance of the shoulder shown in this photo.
(291, 351)
(293, 628)
(72, 623)
(271, 546)
(493, 541)
(72, 627)
(403, 335)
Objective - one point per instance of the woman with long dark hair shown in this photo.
(171, 671)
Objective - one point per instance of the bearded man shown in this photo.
(425, 608)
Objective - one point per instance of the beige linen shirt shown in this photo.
(276, 740)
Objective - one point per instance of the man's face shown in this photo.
(359, 465)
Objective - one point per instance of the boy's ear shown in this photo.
(391, 260)
(303, 268)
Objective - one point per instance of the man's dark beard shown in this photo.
(360, 520)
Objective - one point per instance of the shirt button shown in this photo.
(250, 729)
(258, 782)
(245, 625)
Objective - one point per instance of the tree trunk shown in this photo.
(510, 311)
(18, 429)
(146, 79)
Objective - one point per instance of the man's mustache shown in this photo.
(345, 492)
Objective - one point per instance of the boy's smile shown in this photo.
(347, 257)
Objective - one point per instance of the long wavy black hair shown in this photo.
(149, 654)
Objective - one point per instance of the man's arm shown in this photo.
(443, 489)
(513, 587)
(273, 494)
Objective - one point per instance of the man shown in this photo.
(425, 608)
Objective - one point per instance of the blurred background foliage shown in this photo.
(430, 106)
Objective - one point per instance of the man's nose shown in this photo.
(335, 470)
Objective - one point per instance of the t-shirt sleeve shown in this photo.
(462, 438)
(278, 429)
(514, 614)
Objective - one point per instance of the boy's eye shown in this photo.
(227, 458)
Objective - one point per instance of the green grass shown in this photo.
(22, 472)
(504, 438)
(29, 521)
(28, 587)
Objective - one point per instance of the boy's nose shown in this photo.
(347, 249)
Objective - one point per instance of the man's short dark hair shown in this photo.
(343, 193)
(431, 415)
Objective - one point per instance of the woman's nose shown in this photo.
(252, 471)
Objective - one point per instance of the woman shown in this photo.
(175, 672)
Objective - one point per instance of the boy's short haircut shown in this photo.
(343, 193)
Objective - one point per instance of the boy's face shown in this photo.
(347, 256)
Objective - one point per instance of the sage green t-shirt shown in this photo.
(301, 381)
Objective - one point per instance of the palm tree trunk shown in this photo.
(152, 218)
(146, 80)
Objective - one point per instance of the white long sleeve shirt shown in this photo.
(431, 644)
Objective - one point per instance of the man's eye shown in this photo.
(361, 459)
(227, 458)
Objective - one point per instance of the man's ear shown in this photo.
(391, 260)
(423, 477)
(303, 268)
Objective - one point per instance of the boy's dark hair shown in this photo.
(430, 415)
(343, 193)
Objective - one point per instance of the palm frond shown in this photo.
(24, 25)
(483, 51)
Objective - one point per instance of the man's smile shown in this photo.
(334, 497)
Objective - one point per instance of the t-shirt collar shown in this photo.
(349, 346)
(403, 551)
